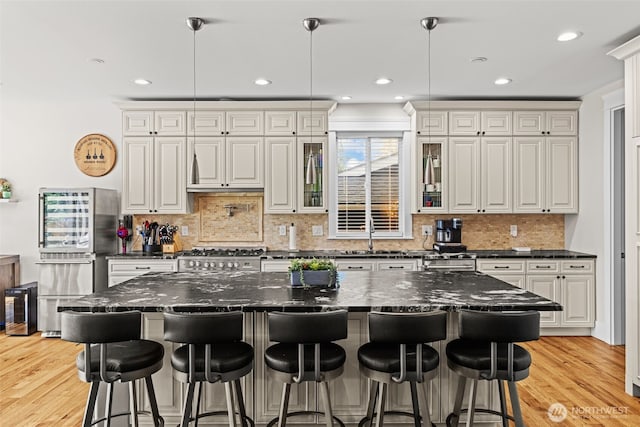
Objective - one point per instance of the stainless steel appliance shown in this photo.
(77, 229)
(464, 261)
(221, 259)
(449, 235)
(21, 309)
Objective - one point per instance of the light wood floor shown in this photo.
(39, 386)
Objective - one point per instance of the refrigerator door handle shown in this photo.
(65, 261)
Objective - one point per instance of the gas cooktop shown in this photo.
(223, 252)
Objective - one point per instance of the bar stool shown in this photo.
(305, 352)
(113, 352)
(486, 351)
(397, 353)
(213, 352)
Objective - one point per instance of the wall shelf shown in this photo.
(8, 200)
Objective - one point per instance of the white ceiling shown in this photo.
(46, 48)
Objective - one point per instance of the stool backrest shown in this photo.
(203, 328)
(500, 327)
(308, 328)
(407, 328)
(96, 328)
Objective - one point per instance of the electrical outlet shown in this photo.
(316, 230)
(427, 230)
(514, 231)
(184, 230)
(282, 230)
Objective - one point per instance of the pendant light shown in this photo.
(429, 24)
(311, 177)
(194, 25)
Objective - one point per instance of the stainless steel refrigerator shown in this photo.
(77, 229)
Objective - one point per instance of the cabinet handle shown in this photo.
(351, 267)
(545, 267)
(227, 132)
(392, 267)
(150, 133)
(326, 133)
(543, 132)
(327, 210)
(143, 268)
(483, 210)
(501, 267)
(557, 277)
(576, 266)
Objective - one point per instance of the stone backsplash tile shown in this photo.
(487, 231)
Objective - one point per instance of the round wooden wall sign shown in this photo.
(95, 154)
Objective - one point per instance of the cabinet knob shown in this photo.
(557, 277)
(478, 133)
(483, 132)
(293, 133)
(222, 185)
(478, 210)
(543, 132)
(326, 133)
(564, 277)
(483, 210)
(156, 132)
(326, 210)
(150, 133)
(222, 133)
(419, 210)
(418, 132)
(227, 132)
(294, 211)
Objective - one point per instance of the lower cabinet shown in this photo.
(358, 264)
(121, 270)
(508, 270)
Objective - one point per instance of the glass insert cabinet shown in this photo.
(432, 174)
(312, 182)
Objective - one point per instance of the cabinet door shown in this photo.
(548, 287)
(562, 122)
(280, 175)
(578, 300)
(464, 123)
(244, 162)
(528, 172)
(355, 265)
(205, 162)
(529, 123)
(464, 175)
(170, 179)
(312, 124)
(245, 123)
(432, 170)
(205, 123)
(496, 175)
(495, 123)
(280, 122)
(311, 174)
(432, 123)
(562, 175)
(137, 190)
(170, 123)
(137, 123)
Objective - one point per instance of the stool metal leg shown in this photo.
(328, 413)
(197, 417)
(188, 401)
(472, 402)
(241, 408)
(382, 397)
(284, 405)
(503, 404)
(457, 406)
(134, 403)
(426, 418)
(231, 407)
(109, 403)
(153, 403)
(373, 395)
(415, 403)
(91, 404)
(515, 403)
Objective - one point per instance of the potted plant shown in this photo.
(6, 190)
(312, 272)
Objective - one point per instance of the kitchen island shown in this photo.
(359, 292)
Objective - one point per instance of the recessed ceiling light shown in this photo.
(399, 97)
(262, 82)
(568, 36)
(97, 60)
(478, 59)
(142, 82)
(383, 81)
(345, 98)
(502, 81)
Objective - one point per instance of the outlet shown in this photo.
(427, 230)
(316, 230)
(514, 231)
(282, 230)
(184, 230)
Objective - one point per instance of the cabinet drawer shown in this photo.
(543, 267)
(500, 266)
(398, 265)
(355, 265)
(577, 266)
(145, 266)
(275, 266)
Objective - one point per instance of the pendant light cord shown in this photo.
(311, 86)
(194, 85)
(429, 85)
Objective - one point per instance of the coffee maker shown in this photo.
(449, 236)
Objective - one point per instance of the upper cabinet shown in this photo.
(545, 123)
(479, 123)
(280, 123)
(313, 123)
(157, 123)
(205, 123)
(432, 123)
(244, 123)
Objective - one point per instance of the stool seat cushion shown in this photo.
(284, 357)
(225, 357)
(124, 356)
(384, 357)
(476, 355)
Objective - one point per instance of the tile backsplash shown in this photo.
(211, 225)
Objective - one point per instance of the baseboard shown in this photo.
(555, 332)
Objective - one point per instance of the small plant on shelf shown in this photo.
(311, 272)
(6, 190)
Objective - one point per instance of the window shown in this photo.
(368, 183)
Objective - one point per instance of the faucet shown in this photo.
(371, 231)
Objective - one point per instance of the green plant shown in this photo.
(300, 264)
(6, 186)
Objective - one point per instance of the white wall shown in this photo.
(37, 138)
(588, 231)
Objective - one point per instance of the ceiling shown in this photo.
(48, 48)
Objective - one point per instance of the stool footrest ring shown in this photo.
(481, 410)
(128, 413)
(364, 420)
(208, 414)
(293, 414)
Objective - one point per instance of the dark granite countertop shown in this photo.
(357, 291)
(542, 253)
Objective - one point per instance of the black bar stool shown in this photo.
(305, 352)
(214, 352)
(486, 351)
(113, 352)
(396, 352)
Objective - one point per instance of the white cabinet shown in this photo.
(244, 123)
(244, 160)
(205, 162)
(508, 270)
(311, 184)
(280, 123)
(157, 123)
(432, 166)
(205, 123)
(432, 123)
(344, 264)
(545, 122)
(121, 270)
(372, 264)
(480, 123)
(154, 178)
(545, 175)
(312, 123)
(480, 175)
(280, 175)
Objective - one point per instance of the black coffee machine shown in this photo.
(449, 236)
